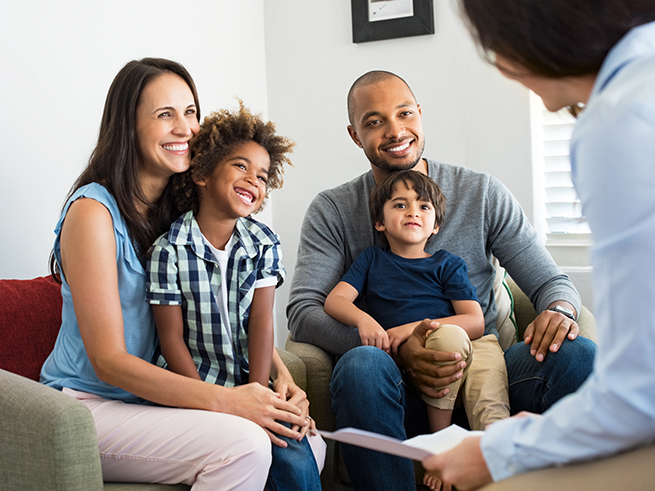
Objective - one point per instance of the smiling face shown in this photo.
(387, 125)
(237, 185)
(408, 222)
(165, 122)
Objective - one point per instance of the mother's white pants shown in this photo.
(152, 444)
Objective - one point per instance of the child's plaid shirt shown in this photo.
(183, 271)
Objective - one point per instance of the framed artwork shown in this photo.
(374, 20)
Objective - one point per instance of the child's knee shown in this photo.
(452, 338)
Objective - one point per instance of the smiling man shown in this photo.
(393, 141)
(379, 393)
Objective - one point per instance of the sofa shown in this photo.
(515, 313)
(48, 439)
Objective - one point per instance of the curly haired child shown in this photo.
(213, 275)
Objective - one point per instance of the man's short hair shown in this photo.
(365, 80)
(425, 188)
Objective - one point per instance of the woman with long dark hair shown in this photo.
(601, 54)
(205, 435)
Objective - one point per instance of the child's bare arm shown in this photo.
(170, 328)
(468, 316)
(260, 335)
(339, 304)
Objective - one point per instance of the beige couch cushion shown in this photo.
(505, 322)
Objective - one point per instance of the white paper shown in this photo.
(416, 448)
(389, 9)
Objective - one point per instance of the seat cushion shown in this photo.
(505, 322)
(30, 317)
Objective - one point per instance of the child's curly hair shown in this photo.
(220, 133)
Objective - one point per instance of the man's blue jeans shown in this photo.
(535, 386)
(294, 468)
(369, 392)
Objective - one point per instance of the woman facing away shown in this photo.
(204, 435)
(600, 53)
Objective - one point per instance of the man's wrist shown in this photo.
(564, 308)
(564, 311)
(399, 359)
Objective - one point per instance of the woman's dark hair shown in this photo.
(553, 38)
(115, 160)
(220, 133)
(425, 188)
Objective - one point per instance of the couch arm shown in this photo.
(525, 313)
(587, 323)
(629, 470)
(319, 366)
(47, 439)
(296, 367)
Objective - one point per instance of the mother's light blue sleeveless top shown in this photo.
(68, 365)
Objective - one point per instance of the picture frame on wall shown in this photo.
(375, 20)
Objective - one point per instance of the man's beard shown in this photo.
(382, 164)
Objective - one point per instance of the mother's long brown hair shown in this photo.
(115, 160)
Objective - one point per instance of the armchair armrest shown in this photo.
(632, 469)
(525, 313)
(319, 364)
(47, 439)
(587, 323)
(295, 366)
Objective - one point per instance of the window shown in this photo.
(558, 211)
(560, 208)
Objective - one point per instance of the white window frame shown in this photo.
(554, 205)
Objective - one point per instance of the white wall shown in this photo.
(472, 116)
(293, 61)
(58, 60)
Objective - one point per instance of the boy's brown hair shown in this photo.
(220, 133)
(425, 188)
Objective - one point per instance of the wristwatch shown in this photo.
(568, 313)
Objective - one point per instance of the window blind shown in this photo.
(563, 213)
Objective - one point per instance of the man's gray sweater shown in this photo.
(482, 219)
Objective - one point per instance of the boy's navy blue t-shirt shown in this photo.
(397, 290)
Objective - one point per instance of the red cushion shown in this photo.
(30, 317)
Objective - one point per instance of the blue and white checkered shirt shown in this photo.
(182, 270)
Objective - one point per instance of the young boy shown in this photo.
(402, 285)
(212, 277)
